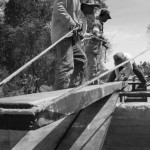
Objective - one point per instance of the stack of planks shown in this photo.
(43, 121)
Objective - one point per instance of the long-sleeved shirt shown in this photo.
(66, 13)
(93, 44)
(127, 68)
(84, 21)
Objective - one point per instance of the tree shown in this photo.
(16, 11)
(24, 34)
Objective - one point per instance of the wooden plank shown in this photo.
(42, 100)
(9, 138)
(97, 141)
(46, 137)
(90, 126)
(136, 99)
(49, 107)
(135, 94)
(134, 83)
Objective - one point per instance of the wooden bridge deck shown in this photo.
(79, 121)
(83, 119)
(35, 110)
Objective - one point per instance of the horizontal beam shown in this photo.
(90, 124)
(135, 94)
(43, 108)
(90, 135)
(134, 83)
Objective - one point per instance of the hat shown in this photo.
(90, 3)
(87, 8)
(104, 12)
(118, 58)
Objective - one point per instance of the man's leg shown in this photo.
(139, 74)
(79, 66)
(112, 76)
(64, 64)
(91, 65)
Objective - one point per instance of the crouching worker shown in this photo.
(122, 73)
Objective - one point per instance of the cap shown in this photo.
(104, 12)
(118, 58)
(87, 8)
(90, 3)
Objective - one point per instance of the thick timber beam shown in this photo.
(89, 130)
(35, 110)
(86, 129)
(135, 94)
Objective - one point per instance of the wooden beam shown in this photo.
(35, 110)
(91, 127)
(97, 141)
(135, 94)
(47, 136)
(51, 136)
(134, 83)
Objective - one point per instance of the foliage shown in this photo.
(23, 35)
(16, 11)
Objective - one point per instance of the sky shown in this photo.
(127, 30)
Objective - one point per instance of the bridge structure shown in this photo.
(41, 121)
(93, 118)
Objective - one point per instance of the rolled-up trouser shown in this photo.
(80, 60)
(112, 75)
(136, 71)
(64, 64)
(92, 65)
(139, 73)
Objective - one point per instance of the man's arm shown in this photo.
(60, 8)
(128, 69)
(117, 74)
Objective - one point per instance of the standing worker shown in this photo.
(94, 45)
(65, 17)
(80, 59)
(88, 12)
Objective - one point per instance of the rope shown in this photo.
(34, 59)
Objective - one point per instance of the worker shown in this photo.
(122, 73)
(65, 18)
(80, 59)
(94, 45)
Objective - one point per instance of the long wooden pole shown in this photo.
(89, 82)
(34, 59)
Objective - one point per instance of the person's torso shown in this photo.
(128, 56)
(94, 44)
(58, 26)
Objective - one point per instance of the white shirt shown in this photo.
(84, 21)
(128, 67)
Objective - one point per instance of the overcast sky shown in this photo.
(127, 28)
